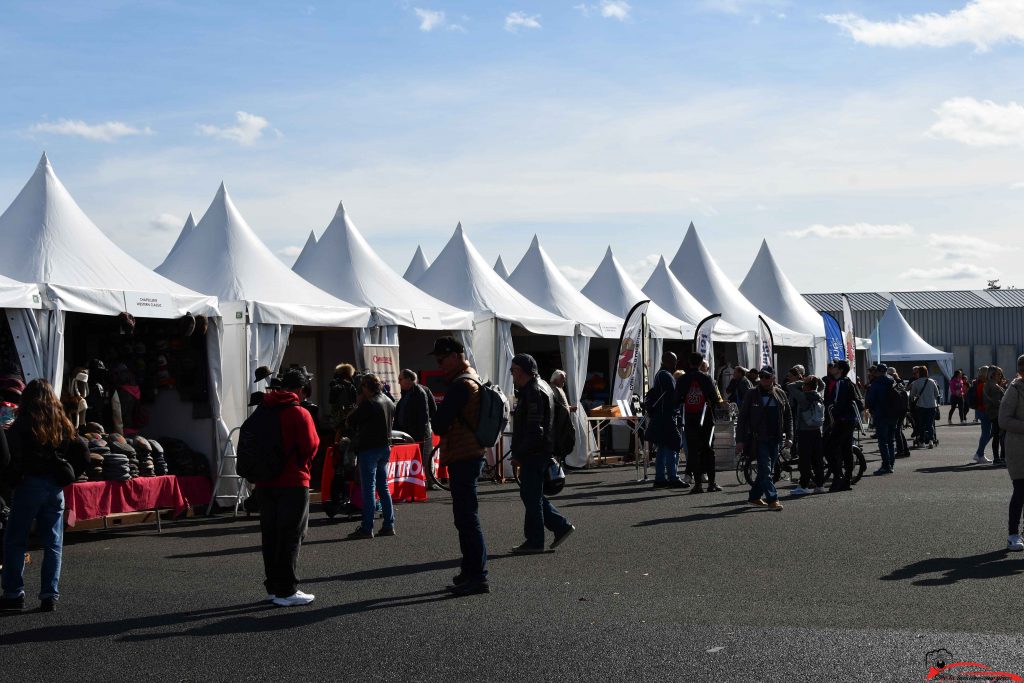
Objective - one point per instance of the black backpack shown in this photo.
(260, 451)
(897, 401)
(972, 395)
(564, 430)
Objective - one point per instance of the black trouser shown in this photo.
(810, 446)
(839, 451)
(957, 405)
(698, 448)
(902, 447)
(998, 452)
(462, 479)
(1016, 506)
(284, 514)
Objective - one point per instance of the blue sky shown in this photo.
(876, 145)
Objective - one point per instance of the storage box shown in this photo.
(605, 411)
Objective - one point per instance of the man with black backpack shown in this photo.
(660, 406)
(276, 445)
(533, 445)
(463, 456)
(697, 398)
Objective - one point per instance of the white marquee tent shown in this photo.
(343, 263)
(461, 277)
(261, 299)
(14, 294)
(417, 266)
(48, 240)
(307, 252)
(500, 269)
(896, 340)
(539, 280)
(186, 230)
(665, 290)
(702, 277)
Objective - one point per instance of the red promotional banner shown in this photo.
(407, 479)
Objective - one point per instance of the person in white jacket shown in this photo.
(924, 396)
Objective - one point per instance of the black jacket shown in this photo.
(371, 422)
(839, 400)
(415, 412)
(661, 406)
(533, 422)
(707, 387)
(750, 422)
(29, 457)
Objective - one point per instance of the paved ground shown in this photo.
(855, 586)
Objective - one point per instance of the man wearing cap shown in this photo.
(765, 423)
(840, 404)
(532, 449)
(877, 402)
(463, 456)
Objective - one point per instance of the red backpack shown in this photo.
(694, 401)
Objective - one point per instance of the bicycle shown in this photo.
(788, 465)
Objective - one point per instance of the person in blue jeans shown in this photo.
(371, 425)
(661, 406)
(879, 403)
(41, 442)
(532, 449)
(764, 425)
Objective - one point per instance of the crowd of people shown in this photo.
(41, 451)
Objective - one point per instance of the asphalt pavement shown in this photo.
(856, 586)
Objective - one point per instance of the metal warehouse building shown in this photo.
(978, 327)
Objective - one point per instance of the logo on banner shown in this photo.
(627, 356)
(383, 360)
(407, 471)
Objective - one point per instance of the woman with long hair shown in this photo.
(45, 454)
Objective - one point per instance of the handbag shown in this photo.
(62, 471)
(554, 478)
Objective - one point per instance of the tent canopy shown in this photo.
(307, 250)
(47, 239)
(461, 277)
(768, 288)
(665, 290)
(500, 269)
(224, 256)
(612, 289)
(897, 341)
(343, 263)
(699, 274)
(14, 294)
(186, 230)
(417, 266)
(539, 280)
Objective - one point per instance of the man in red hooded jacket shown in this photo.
(284, 501)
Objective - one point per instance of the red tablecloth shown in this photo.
(95, 499)
(407, 480)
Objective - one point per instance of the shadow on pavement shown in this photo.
(990, 565)
(965, 467)
(736, 509)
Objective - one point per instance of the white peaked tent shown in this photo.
(261, 299)
(539, 280)
(186, 230)
(345, 264)
(500, 269)
(417, 266)
(702, 277)
(612, 289)
(48, 240)
(14, 294)
(897, 341)
(308, 249)
(461, 277)
(768, 288)
(664, 289)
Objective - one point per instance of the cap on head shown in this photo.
(445, 345)
(526, 363)
(797, 371)
(766, 371)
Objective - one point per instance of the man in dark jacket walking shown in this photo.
(415, 413)
(284, 500)
(371, 425)
(765, 425)
(878, 402)
(660, 404)
(697, 398)
(532, 449)
(840, 404)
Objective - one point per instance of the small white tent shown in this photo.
(665, 290)
(500, 269)
(308, 249)
(896, 340)
(186, 230)
(261, 299)
(461, 277)
(702, 277)
(48, 240)
(14, 294)
(345, 264)
(417, 266)
(539, 280)
(768, 288)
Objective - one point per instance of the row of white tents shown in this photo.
(55, 260)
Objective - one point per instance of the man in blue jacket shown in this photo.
(877, 402)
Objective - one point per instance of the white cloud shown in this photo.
(744, 6)
(166, 222)
(704, 207)
(854, 231)
(249, 129)
(640, 269)
(577, 276)
(609, 9)
(982, 23)
(979, 123)
(1017, 186)
(290, 252)
(429, 19)
(954, 271)
(964, 245)
(104, 132)
(517, 20)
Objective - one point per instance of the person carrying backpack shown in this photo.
(289, 431)
(462, 454)
(660, 406)
(882, 402)
(697, 398)
(809, 418)
(533, 447)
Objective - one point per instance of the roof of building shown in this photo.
(921, 300)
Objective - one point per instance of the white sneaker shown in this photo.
(1015, 543)
(688, 479)
(799, 491)
(819, 489)
(982, 459)
(299, 598)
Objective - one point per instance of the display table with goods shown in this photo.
(407, 479)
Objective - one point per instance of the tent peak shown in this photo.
(44, 160)
(458, 228)
(190, 222)
(535, 242)
(691, 227)
(340, 211)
